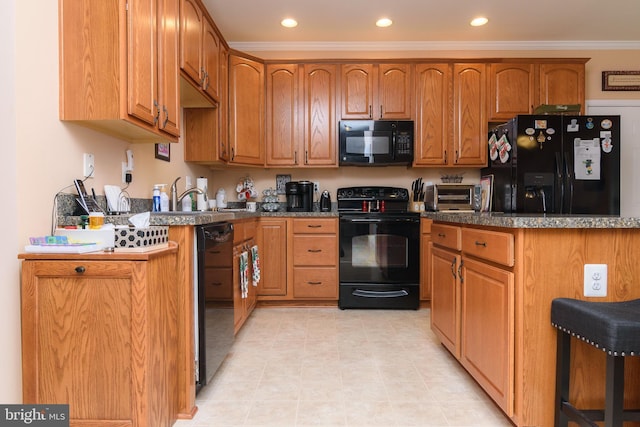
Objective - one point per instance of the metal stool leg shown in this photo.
(614, 401)
(563, 366)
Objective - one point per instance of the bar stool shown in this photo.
(613, 327)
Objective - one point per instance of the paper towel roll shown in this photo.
(201, 199)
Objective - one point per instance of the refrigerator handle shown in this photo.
(560, 180)
(568, 176)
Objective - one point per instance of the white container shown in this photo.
(164, 200)
(252, 206)
(201, 199)
(221, 198)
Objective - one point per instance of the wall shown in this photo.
(43, 155)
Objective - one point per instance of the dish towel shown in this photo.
(255, 258)
(244, 274)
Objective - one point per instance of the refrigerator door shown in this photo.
(538, 171)
(591, 153)
(501, 162)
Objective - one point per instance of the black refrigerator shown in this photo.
(556, 164)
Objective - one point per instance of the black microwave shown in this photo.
(376, 142)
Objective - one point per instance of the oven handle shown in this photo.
(371, 220)
(379, 294)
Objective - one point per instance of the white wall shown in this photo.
(10, 362)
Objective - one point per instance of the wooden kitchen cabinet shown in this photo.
(246, 111)
(284, 145)
(272, 241)
(562, 83)
(100, 333)
(425, 259)
(376, 91)
(200, 46)
(445, 285)
(320, 132)
(119, 67)
(512, 90)
(451, 125)
(243, 239)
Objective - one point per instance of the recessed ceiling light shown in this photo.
(478, 22)
(289, 23)
(384, 22)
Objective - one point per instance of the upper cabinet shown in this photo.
(283, 142)
(376, 91)
(511, 90)
(319, 113)
(200, 49)
(451, 124)
(246, 111)
(518, 87)
(118, 67)
(562, 83)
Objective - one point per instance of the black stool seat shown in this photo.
(612, 326)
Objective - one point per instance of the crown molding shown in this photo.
(435, 46)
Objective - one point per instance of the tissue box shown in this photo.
(141, 239)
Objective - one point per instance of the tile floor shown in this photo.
(329, 367)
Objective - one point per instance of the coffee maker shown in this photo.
(299, 196)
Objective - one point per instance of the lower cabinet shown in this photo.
(243, 305)
(100, 333)
(472, 304)
(425, 259)
(299, 260)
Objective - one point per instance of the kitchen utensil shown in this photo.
(325, 201)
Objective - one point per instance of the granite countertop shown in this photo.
(534, 220)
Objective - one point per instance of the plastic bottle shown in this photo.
(164, 199)
(156, 198)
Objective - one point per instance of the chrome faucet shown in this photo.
(175, 199)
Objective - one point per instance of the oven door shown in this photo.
(379, 248)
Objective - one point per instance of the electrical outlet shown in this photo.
(316, 187)
(595, 280)
(88, 165)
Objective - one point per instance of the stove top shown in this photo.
(373, 199)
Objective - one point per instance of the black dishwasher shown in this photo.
(214, 298)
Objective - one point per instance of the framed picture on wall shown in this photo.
(163, 152)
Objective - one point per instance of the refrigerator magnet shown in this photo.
(606, 124)
(606, 145)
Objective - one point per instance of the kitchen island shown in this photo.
(494, 314)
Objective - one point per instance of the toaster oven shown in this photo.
(449, 197)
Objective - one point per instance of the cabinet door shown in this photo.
(246, 111)
(319, 110)
(445, 307)
(283, 136)
(433, 114)
(142, 61)
(469, 115)
(168, 73)
(210, 60)
(562, 84)
(511, 90)
(191, 26)
(272, 241)
(223, 106)
(487, 323)
(395, 82)
(358, 85)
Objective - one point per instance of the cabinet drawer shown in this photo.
(490, 245)
(316, 250)
(447, 236)
(315, 282)
(315, 226)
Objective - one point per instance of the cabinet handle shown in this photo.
(80, 269)
(295, 157)
(314, 283)
(460, 271)
(457, 157)
(381, 111)
(314, 226)
(442, 235)
(445, 156)
(233, 153)
(306, 157)
(166, 116)
(314, 250)
(156, 119)
(370, 111)
(206, 81)
(481, 244)
(203, 73)
(453, 268)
